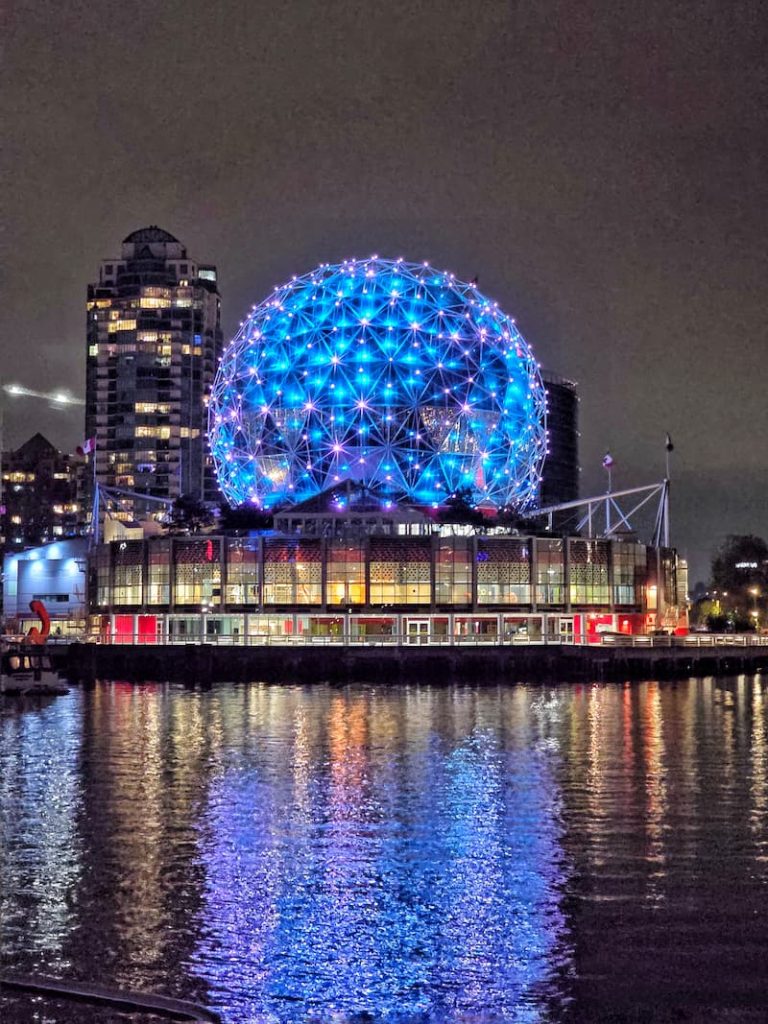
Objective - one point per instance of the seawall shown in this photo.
(204, 663)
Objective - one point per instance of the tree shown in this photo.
(243, 518)
(741, 560)
(740, 580)
(459, 509)
(189, 515)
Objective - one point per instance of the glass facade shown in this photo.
(479, 573)
(159, 572)
(630, 573)
(129, 572)
(588, 573)
(242, 571)
(550, 572)
(503, 572)
(453, 571)
(346, 573)
(401, 571)
(197, 572)
(293, 573)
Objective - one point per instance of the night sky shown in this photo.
(601, 167)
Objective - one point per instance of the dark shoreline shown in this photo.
(196, 663)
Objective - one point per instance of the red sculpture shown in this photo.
(35, 635)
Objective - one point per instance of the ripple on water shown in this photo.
(287, 854)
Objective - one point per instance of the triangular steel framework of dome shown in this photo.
(380, 370)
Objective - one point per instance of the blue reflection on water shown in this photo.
(362, 884)
(41, 859)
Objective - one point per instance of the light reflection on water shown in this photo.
(40, 849)
(382, 867)
(408, 854)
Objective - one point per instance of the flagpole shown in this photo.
(668, 449)
(608, 503)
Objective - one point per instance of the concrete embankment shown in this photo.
(203, 663)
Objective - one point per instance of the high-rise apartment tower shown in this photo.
(560, 477)
(154, 340)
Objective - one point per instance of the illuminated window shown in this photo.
(158, 590)
(293, 572)
(453, 572)
(128, 572)
(163, 408)
(93, 350)
(121, 325)
(346, 574)
(400, 571)
(550, 572)
(242, 571)
(588, 572)
(161, 432)
(190, 432)
(16, 520)
(197, 572)
(629, 572)
(503, 572)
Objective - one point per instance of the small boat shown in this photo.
(26, 670)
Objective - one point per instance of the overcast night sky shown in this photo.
(601, 167)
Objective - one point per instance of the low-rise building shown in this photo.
(54, 574)
(380, 586)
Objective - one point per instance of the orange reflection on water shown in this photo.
(655, 785)
(759, 767)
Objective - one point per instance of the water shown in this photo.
(430, 855)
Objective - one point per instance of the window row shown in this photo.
(379, 571)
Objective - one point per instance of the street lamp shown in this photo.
(755, 592)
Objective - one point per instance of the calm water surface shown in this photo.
(430, 855)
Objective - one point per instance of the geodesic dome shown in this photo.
(384, 372)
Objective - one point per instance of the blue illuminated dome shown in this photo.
(380, 371)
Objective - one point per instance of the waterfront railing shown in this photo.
(691, 640)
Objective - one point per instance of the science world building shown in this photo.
(354, 405)
(384, 372)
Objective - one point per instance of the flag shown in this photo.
(88, 447)
(670, 446)
(607, 460)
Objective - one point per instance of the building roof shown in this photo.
(37, 446)
(150, 234)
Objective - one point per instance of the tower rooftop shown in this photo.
(150, 234)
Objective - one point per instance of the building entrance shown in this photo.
(417, 631)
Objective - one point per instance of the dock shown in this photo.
(405, 663)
